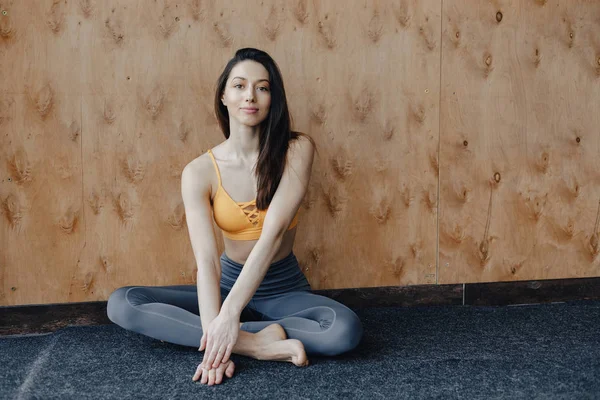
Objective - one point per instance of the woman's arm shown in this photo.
(284, 205)
(195, 190)
(223, 331)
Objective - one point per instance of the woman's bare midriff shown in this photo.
(239, 250)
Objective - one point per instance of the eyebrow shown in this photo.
(260, 80)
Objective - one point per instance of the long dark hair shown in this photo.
(275, 133)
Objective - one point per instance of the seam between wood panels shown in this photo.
(82, 175)
(79, 258)
(437, 249)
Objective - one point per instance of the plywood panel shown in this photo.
(135, 222)
(40, 195)
(40, 43)
(104, 103)
(372, 93)
(520, 173)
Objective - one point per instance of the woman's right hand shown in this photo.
(214, 376)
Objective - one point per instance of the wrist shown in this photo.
(230, 310)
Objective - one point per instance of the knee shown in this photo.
(118, 307)
(346, 333)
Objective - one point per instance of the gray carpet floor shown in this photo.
(544, 351)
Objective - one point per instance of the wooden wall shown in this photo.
(459, 139)
(519, 141)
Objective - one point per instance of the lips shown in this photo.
(250, 110)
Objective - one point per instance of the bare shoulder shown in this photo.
(198, 164)
(300, 158)
(196, 176)
(301, 150)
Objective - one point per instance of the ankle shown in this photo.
(248, 344)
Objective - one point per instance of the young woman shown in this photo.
(254, 299)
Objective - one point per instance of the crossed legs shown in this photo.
(170, 313)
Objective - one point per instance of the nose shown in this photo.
(250, 94)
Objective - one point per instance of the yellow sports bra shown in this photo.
(238, 220)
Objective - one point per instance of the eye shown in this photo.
(236, 85)
(266, 89)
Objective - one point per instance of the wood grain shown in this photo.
(457, 142)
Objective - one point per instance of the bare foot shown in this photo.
(271, 333)
(275, 346)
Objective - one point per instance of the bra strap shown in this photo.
(215, 164)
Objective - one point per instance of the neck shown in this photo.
(243, 141)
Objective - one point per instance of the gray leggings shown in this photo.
(171, 313)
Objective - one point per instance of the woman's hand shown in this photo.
(214, 376)
(219, 339)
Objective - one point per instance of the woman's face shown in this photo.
(247, 93)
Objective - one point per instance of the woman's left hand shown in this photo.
(219, 339)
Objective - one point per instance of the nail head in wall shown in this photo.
(497, 177)
(578, 139)
(465, 143)
(499, 16)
